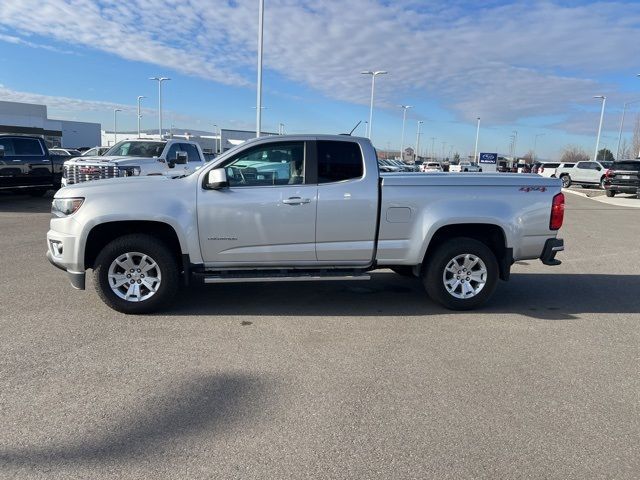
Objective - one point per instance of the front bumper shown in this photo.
(62, 252)
(551, 247)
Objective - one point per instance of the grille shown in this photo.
(86, 173)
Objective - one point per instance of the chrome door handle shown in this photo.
(296, 201)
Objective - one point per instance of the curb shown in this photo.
(566, 190)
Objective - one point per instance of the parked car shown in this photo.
(388, 166)
(431, 167)
(26, 165)
(465, 167)
(587, 173)
(136, 157)
(623, 177)
(547, 169)
(337, 218)
(65, 152)
(95, 151)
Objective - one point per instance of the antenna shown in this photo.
(354, 128)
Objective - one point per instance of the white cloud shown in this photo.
(502, 62)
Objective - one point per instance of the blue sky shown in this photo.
(526, 66)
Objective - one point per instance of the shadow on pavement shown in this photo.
(14, 203)
(541, 296)
(208, 403)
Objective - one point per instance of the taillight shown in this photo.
(557, 212)
(609, 173)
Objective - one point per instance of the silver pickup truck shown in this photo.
(301, 208)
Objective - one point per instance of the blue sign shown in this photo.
(489, 158)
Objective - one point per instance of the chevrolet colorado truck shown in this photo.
(301, 208)
(133, 158)
(27, 166)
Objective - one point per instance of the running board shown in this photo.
(249, 277)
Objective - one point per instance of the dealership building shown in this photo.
(32, 119)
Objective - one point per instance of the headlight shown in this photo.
(128, 171)
(63, 207)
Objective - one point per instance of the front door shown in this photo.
(268, 213)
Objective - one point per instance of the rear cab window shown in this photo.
(339, 161)
(626, 166)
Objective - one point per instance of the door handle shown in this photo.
(296, 201)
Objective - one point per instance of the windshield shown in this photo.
(606, 164)
(136, 149)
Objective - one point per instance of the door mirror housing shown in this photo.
(181, 158)
(217, 179)
(598, 168)
(171, 163)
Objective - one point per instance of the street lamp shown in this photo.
(535, 143)
(140, 97)
(604, 101)
(115, 125)
(624, 109)
(475, 154)
(404, 117)
(515, 140)
(259, 89)
(420, 122)
(373, 87)
(159, 80)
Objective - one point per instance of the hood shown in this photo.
(128, 186)
(117, 160)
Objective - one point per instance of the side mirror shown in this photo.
(1, 151)
(171, 163)
(181, 158)
(217, 179)
(598, 168)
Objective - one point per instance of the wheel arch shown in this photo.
(492, 235)
(101, 234)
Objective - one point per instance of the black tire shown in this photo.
(145, 244)
(38, 192)
(602, 184)
(404, 270)
(566, 181)
(437, 263)
(610, 193)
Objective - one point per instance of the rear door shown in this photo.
(347, 204)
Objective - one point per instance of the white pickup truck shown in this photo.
(133, 158)
(301, 208)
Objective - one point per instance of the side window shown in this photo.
(339, 161)
(27, 146)
(583, 165)
(7, 143)
(192, 152)
(173, 149)
(270, 164)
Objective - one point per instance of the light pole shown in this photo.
(604, 101)
(443, 149)
(404, 118)
(373, 88)
(259, 92)
(159, 80)
(215, 125)
(420, 122)
(624, 109)
(115, 125)
(535, 144)
(140, 97)
(475, 154)
(433, 149)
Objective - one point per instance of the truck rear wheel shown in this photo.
(136, 274)
(461, 274)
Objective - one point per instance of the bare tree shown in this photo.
(635, 144)
(573, 154)
(625, 150)
(528, 157)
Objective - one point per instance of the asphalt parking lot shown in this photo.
(327, 380)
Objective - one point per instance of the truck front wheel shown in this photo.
(136, 274)
(461, 274)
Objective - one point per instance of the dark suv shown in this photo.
(623, 177)
(26, 165)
